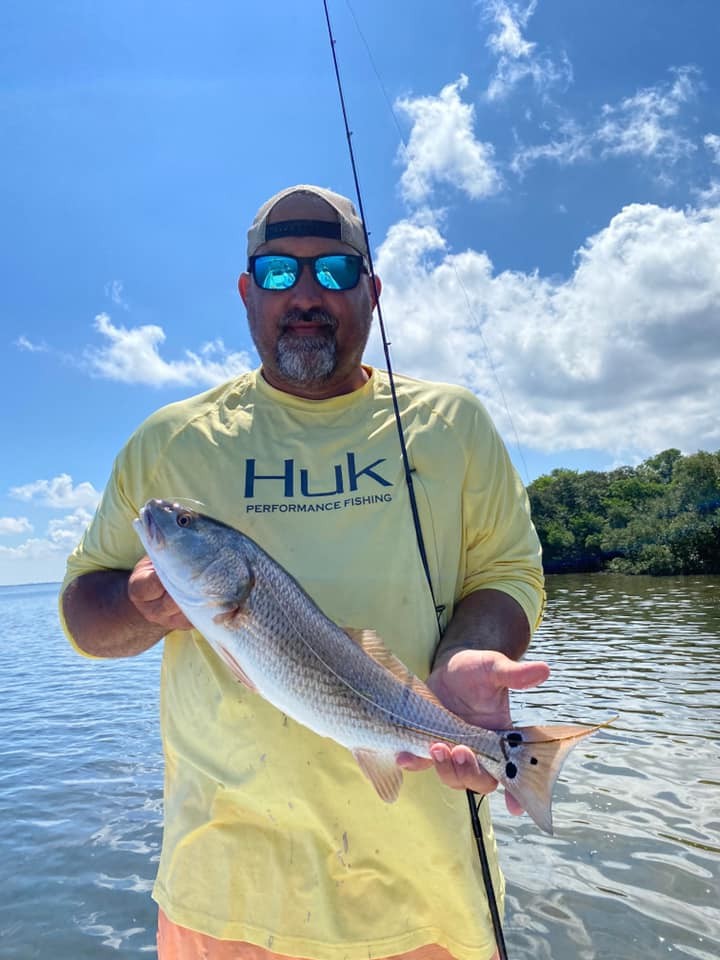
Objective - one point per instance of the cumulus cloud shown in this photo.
(132, 355)
(65, 532)
(442, 147)
(59, 493)
(43, 558)
(622, 356)
(517, 58)
(646, 125)
(14, 525)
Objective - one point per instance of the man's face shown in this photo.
(310, 340)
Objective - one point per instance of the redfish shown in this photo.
(341, 684)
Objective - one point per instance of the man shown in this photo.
(274, 843)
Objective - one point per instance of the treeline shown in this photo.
(661, 517)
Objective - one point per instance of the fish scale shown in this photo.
(354, 693)
(345, 685)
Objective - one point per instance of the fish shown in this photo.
(344, 684)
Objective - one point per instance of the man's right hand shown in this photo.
(151, 599)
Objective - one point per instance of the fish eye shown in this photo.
(183, 520)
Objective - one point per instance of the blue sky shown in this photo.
(541, 181)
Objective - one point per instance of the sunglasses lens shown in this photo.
(338, 271)
(334, 271)
(275, 272)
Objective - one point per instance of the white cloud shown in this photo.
(712, 142)
(622, 356)
(114, 290)
(59, 493)
(43, 558)
(643, 125)
(711, 194)
(23, 343)
(572, 145)
(14, 525)
(442, 147)
(646, 125)
(510, 20)
(517, 58)
(66, 531)
(131, 355)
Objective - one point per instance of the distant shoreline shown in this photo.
(33, 583)
(547, 573)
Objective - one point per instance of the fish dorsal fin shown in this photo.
(374, 647)
(382, 771)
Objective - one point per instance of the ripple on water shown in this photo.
(632, 872)
(637, 803)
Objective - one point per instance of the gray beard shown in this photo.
(305, 360)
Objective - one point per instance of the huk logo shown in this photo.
(296, 481)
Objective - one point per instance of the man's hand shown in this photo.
(152, 601)
(474, 684)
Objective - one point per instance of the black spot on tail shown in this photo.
(514, 739)
(510, 770)
(533, 761)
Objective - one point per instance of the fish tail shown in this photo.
(533, 757)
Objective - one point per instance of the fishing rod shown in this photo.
(472, 804)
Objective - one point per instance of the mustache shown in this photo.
(294, 317)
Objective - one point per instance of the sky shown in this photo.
(541, 182)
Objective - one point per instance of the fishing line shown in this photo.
(397, 718)
(474, 817)
(451, 261)
(385, 342)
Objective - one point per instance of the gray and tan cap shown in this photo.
(348, 227)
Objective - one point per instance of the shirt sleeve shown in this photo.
(110, 541)
(502, 549)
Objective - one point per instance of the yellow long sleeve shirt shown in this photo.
(272, 835)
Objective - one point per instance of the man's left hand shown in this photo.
(474, 684)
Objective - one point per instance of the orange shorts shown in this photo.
(179, 943)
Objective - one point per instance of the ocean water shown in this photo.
(80, 791)
(632, 872)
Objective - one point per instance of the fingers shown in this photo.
(408, 761)
(152, 601)
(512, 805)
(520, 676)
(164, 612)
(456, 767)
(144, 585)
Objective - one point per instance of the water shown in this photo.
(80, 791)
(633, 871)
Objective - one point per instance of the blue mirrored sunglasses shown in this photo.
(333, 271)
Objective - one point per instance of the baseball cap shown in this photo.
(348, 228)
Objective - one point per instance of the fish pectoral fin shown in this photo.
(382, 771)
(236, 608)
(374, 647)
(235, 668)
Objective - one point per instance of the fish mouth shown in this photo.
(147, 526)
